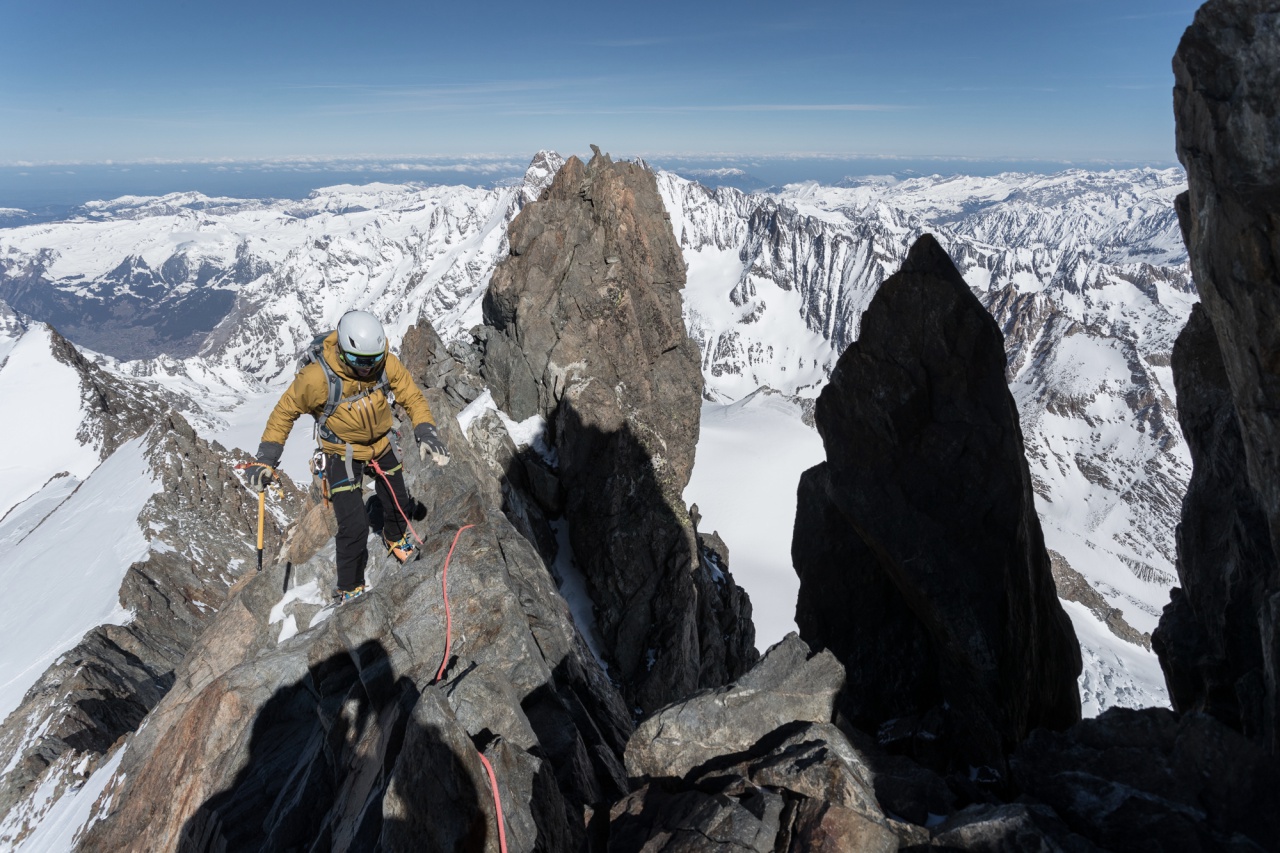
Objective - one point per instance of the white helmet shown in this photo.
(362, 343)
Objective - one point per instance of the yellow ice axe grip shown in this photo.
(262, 507)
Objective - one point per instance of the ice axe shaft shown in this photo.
(262, 510)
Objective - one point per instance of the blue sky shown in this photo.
(134, 80)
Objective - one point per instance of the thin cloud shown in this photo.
(656, 41)
(1179, 13)
(825, 108)
(719, 108)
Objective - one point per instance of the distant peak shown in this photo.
(542, 168)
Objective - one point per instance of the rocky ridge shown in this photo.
(354, 739)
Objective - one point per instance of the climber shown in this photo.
(344, 385)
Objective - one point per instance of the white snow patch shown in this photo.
(531, 432)
(307, 593)
(36, 387)
(52, 595)
(289, 629)
(573, 586)
(1115, 673)
(475, 409)
(749, 459)
(58, 829)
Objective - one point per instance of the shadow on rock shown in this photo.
(671, 621)
(347, 758)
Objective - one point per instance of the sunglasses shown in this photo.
(363, 362)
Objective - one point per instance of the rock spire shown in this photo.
(921, 560)
(584, 327)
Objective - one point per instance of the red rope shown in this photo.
(403, 514)
(497, 801)
(448, 642)
(448, 613)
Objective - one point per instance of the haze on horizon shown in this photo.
(1076, 83)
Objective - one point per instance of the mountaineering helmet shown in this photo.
(362, 343)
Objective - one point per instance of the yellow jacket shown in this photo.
(363, 423)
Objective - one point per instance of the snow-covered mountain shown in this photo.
(1084, 271)
(1087, 276)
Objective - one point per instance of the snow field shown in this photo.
(43, 408)
(68, 814)
(749, 459)
(63, 577)
(1116, 673)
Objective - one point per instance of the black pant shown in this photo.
(347, 498)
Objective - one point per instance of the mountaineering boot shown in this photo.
(342, 596)
(402, 549)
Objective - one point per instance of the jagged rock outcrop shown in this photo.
(115, 411)
(921, 561)
(293, 724)
(436, 366)
(789, 684)
(583, 326)
(1220, 638)
(757, 765)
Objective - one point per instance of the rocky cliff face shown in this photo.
(1211, 639)
(584, 328)
(1086, 275)
(919, 551)
(1220, 638)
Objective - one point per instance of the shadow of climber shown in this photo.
(352, 758)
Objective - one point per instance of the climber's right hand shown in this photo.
(259, 475)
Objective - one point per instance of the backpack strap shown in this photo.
(331, 403)
(336, 399)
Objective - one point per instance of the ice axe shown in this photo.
(262, 510)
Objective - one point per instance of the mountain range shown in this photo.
(201, 304)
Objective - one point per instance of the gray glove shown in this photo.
(261, 472)
(259, 476)
(429, 441)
